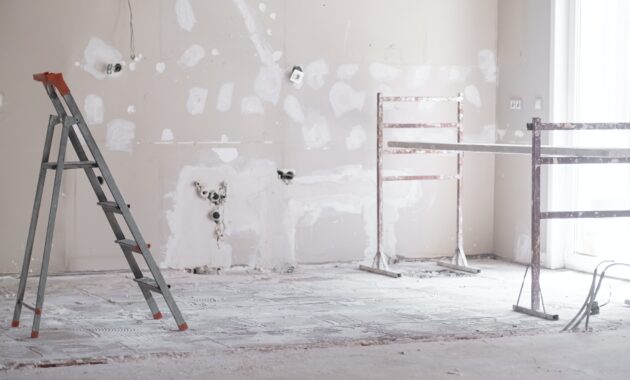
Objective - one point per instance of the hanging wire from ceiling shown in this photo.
(132, 37)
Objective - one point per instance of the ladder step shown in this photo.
(149, 283)
(72, 165)
(128, 243)
(111, 207)
(32, 308)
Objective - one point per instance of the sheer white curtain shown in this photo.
(601, 94)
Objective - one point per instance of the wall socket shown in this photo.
(516, 104)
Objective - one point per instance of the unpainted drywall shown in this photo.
(524, 59)
(209, 100)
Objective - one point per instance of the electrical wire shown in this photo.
(132, 37)
(586, 309)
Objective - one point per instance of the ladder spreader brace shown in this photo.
(68, 117)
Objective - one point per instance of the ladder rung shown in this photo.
(32, 308)
(111, 207)
(72, 165)
(149, 283)
(128, 243)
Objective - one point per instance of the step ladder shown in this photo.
(69, 117)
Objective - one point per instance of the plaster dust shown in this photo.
(276, 325)
(316, 73)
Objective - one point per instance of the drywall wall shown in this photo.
(524, 59)
(209, 100)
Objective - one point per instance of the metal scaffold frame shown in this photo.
(543, 155)
(458, 261)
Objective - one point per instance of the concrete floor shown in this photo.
(326, 320)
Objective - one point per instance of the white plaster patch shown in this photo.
(120, 135)
(316, 73)
(97, 55)
(132, 66)
(167, 135)
(192, 56)
(471, 93)
(293, 108)
(215, 52)
(417, 77)
(501, 133)
(384, 73)
(185, 14)
(196, 103)
(273, 16)
(487, 135)
(269, 83)
(262, 7)
(453, 74)
(315, 130)
(94, 109)
(1, 99)
(487, 65)
(356, 138)
(344, 98)
(160, 67)
(277, 55)
(347, 71)
(251, 105)
(131, 109)
(226, 154)
(224, 101)
(519, 133)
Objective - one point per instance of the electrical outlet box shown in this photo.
(297, 75)
(516, 104)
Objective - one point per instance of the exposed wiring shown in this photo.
(132, 37)
(587, 307)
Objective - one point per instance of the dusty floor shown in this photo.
(328, 320)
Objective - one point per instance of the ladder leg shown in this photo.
(51, 227)
(113, 222)
(33, 225)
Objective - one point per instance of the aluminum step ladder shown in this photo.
(73, 125)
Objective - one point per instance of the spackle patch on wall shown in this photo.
(384, 73)
(269, 83)
(417, 77)
(472, 95)
(97, 55)
(316, 73)
(167, 135)
(293, 108)
(192, 56)
(315, 130)
(185, 14)
(347, 71)
(453, 74)
(1, 99)
(160, 67)
(94, 109)
(226, 154)
(487, 65)
(356, 138)
(251, 105)
(120, 135)
(224, 100)
(344, 98)
(196, 103)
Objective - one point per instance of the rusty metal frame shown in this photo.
(458, 260)
(542, 155)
